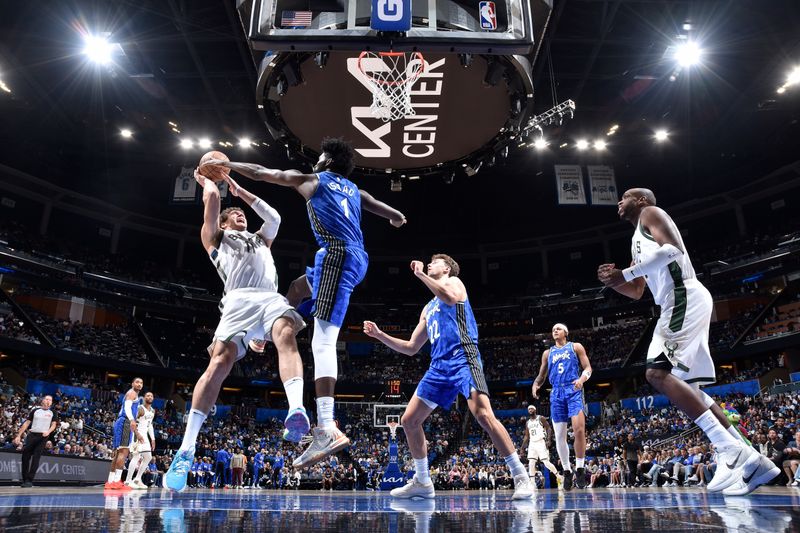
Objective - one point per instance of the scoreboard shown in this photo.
(392, 388)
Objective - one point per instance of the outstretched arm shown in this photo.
(539, 381)
(409, 347)
(210, 232)
(270, 216)
(376, 207)
(305, 184)
(450, 291)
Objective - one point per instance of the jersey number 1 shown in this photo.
(346, 208)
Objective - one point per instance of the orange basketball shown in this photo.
(214, 172)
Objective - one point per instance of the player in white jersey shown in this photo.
(144, 444)
(678, 359)
(537, 435)
(251, 309)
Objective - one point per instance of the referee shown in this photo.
(41, 422)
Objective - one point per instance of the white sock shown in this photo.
(132, 464)
(515, 465)
(325, 412)
(421, 470)
(579, 462)
(193, 424)
(118, 475)
(111, 477)
(145, 460)
(715, 431)
(294, 392)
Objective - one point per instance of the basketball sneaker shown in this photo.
(175, 478)
(414, 489)
(296, 424)
(522, 487)
(763, 473)
(138, 485)
(733, 463)
(567, 484)
(324, 442)
(580, 478)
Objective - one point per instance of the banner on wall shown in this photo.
(185, 188)
(569, 181)
(56, 468)
(602, 185)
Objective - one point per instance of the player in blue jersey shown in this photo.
(124, 433)
(456, 368)
(563, 362)
(334, 205)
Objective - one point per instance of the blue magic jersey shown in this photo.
(335, 211)
(134, 407)
(453, 334)
(563, 365)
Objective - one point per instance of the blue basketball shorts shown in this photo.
(442, 387)
(565, 402)
(123, 436)
(334, 276)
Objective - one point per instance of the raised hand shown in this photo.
(417, 267)
(233, 187)
(371, 329)
(199, 178)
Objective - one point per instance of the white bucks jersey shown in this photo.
(667, 279)
(535, 429)
(145, 422)
(244, 261)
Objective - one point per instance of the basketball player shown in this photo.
(678, 359)
(447, 321)
(562, 361)
(124, 431)
(537, 435)
(334, 206)
(144, 445)
(251, 309)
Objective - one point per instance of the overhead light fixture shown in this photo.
(794, 77)
(661, 135)
(613, 129)
(396, 185)
(204, 143)
(781, 89)
(563, 145)
(687, 26)
(186, 144)
(172, 124)
(688, 54)
(176, 130)
(472, 170)
(4, 87)
(449, 177)
(582, 144)
(540, 143)
(97, 49)
(126, 133)
(244, 142)
(599, 145)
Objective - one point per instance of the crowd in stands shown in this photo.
(782, 320)
(723, 333)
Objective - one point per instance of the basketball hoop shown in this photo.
(393, 429)
(390, 76)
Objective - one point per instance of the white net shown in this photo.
(390, 76)
(393, 429)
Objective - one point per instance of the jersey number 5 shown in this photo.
(560, 368)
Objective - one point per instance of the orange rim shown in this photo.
(379, 81)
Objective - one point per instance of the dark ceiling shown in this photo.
(188, 62)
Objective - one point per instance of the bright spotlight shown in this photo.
(599, 145)
(540, 143)
(688, 54)
(244, 142)
(661, 135)
(204, 143)
(97, 49)
(3, 87)
(126, 133)
(781, 89)
(186, 144)
(794, 77)
(582, 144)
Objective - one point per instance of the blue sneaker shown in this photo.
(296, 424)
(175, 478)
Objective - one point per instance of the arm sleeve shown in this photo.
(271, 218)
(128, 409)
(665, 255)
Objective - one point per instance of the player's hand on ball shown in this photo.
(199, 178)
(398, 222)
(417, 267)
(371, 329)
(233, 186)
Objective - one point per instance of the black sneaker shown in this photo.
(568, 480)
(580, 478)
(27, 485)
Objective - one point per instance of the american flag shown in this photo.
(295, 18)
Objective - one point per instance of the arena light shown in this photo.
(186, 144)
(4, 87)
(661, 135)
(97, 49)
(794, 77)
(688, 54)
(582, 144)
(599, 145)
(126, 133)
(540, 143)
(204, 143)
(244, 142)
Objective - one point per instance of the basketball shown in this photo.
(214, 172)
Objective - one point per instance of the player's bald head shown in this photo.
(647, 194)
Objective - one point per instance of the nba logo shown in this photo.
(488, 15)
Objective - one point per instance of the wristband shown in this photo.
(587, 374)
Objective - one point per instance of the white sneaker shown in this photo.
(693, 479)
(733, 463)
(414, 489)
(138, 485)
(522, 487)
(325, 442)
(764, 472)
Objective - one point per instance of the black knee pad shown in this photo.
(661, 362)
